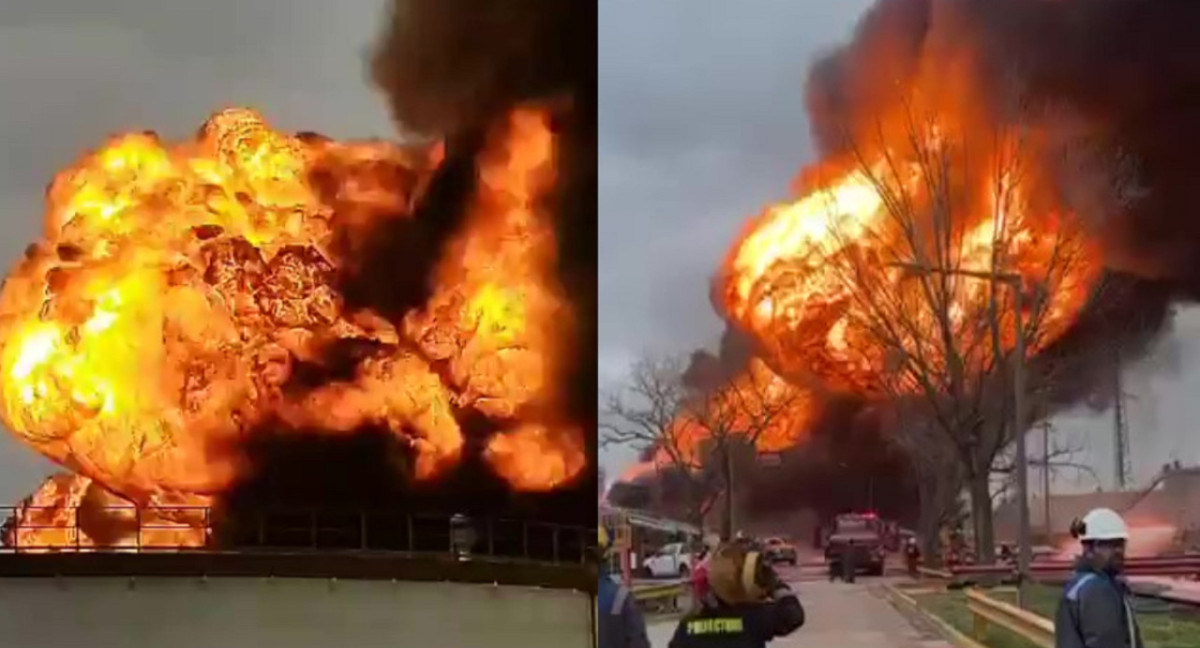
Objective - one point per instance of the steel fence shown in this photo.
(1183, 565)
(34, 529)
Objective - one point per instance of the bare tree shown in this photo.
(645, 415)
(913, 241)
(756, 410)
(937, 474)
(1063, 457)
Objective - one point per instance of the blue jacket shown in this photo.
(1095, 612)
(618, 621)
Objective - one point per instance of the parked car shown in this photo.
(672, 560)
(779, 550)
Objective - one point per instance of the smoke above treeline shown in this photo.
(1112, 88)
(1113, 77)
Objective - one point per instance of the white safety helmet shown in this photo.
(1100, 524)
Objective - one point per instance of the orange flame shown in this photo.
(70, 511)
(814, 279)
(817, 279)
(160, 317)
(757, 406)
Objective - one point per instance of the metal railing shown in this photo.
(1185, 565)
(197, 528)
(657, 591)
(660, 597)
(986, 611)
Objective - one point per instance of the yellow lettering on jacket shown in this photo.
(714, 626)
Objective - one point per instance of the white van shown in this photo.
(672, 560)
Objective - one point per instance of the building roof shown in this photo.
(638, 518)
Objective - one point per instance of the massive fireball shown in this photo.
(178, 288)
(826, 283)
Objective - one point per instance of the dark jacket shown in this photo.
(749, 625)
(1095, 612)
(618, 621)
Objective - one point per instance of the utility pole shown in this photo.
(1014, 283)
(870, 492)
(1046, 479)
(1120, 430)
(1024, 550)
(728, 530)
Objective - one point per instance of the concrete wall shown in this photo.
(160, 612)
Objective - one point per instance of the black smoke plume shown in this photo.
(453, 70)
(1115, 77)
(1113, 85)
(455, 67)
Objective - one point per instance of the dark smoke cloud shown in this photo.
(393, 264)
(707, 371)
(453, 70)
(1124, 70)
(451, 65)
(1122, 324)
(454, 67)
(847, 464)
(1113, 84)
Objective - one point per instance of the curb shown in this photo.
(909, 607)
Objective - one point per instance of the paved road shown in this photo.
(846, 616)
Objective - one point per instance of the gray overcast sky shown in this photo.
(74, 71)
(701, 124)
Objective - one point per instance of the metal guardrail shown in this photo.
(1177, 566)
(157, 529)
(665, 597)
(666, 590)
(986, 610)
(930, 572)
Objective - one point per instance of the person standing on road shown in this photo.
(912, 556)
(746, 605)
(1095, 610)
(619, 624)
(849, 562)
(699, 579)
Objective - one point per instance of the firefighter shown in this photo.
(912, 556)
(850, 562)
(619, 624)
(1095, 610)
(746, 605)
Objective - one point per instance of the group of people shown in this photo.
(742, 602)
